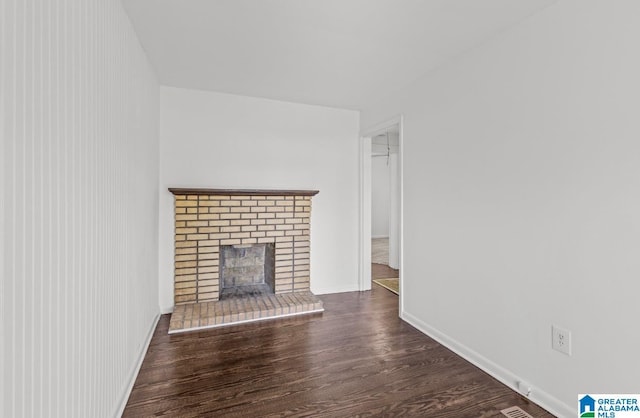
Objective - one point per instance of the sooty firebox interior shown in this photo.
(247, 270)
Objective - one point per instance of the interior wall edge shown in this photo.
(3, 164)
(136, 367)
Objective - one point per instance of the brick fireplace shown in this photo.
(271, 227)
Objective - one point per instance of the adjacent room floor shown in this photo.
(381, 273)
(356, 359)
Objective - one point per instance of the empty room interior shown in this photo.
(197, 196)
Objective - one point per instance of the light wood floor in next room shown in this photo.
(356, 359)
(380, 271)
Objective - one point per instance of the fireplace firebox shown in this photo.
(247, 270)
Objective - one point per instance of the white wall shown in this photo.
(521, 179)
(380, 197)
(216, 140)
(79, 228)
(3, 317)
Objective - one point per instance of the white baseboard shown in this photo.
(136, 369)
(538, 396)
(379, 236)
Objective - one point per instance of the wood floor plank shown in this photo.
(356, 359)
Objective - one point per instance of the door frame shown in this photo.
(364, 259)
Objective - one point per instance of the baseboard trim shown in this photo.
(136, 369)
(379, 236)
(538, 396)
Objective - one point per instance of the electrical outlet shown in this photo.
(561, 340)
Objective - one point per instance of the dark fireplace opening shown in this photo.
(247, 270)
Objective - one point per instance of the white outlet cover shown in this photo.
(561, 339)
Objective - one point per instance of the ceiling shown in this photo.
(338, 53)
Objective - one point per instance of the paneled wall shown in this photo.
(79, 204)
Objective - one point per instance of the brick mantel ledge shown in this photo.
(242, 192)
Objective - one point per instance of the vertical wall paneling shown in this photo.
(78, 207)
(3, 165)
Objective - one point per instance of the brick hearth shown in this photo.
(196, 316)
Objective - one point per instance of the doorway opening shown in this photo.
(381, 207)
(384, 209)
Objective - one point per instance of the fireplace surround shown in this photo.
(210, 221)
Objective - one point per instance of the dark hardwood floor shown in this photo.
(356, 359)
